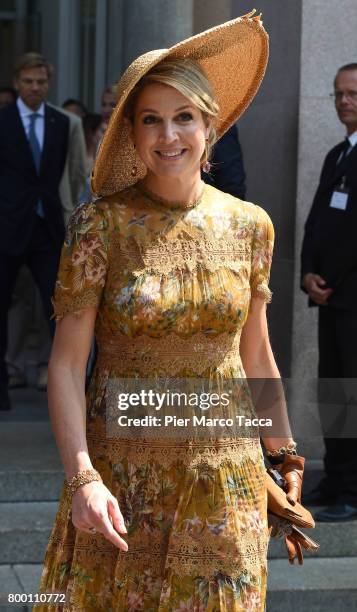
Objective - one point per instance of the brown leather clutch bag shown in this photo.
(280, 506)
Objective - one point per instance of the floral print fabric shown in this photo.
(171, 283)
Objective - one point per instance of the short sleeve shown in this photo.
(262, 252)
(83, 265)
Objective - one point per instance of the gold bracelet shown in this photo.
(81, 478)
(289, 449)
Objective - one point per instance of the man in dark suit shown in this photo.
(329, 276)
(227, 171)
(33, 150)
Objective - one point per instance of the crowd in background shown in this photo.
(94, 126)
(25, 307)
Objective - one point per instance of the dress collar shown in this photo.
(169, 204)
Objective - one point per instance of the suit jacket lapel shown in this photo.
(24, 143)
(50, 122)
(342, 168)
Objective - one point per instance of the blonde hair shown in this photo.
(189, 79)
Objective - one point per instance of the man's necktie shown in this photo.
(36, 154)
(347, 147)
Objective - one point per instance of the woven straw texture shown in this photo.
(234, 56)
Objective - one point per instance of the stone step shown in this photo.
(30, 467)
(21, 578)
(320, 585)
(24, 531)
(335, 539)
(27, 486)
(27, 405)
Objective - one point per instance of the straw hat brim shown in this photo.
(233, 55)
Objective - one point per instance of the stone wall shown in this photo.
(328, 40)
(268, 133)
(154, 24)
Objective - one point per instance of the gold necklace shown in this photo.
(172, 204)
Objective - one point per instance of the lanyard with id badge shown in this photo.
(339, 196)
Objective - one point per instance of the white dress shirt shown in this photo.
(353, 139)
(25, 113)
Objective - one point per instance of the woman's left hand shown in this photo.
(292, 470)
(282, 528)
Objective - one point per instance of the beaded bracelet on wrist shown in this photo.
(81, 478)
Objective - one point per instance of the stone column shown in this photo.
(49, 41)
(268, 135)
(209, 13)
(154, 24)
(101, 34)
(68, 50)
(328, 40)
(60, 44)
(21, 34)
(115, 40)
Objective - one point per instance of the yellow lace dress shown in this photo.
(173, 287)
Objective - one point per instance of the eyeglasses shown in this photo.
(349, 95)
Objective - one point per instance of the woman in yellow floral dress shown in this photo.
(173, 276)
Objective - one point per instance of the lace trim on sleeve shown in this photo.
(69, 304)
(262, 291)
(262, 254)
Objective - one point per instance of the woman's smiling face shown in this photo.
(169, 132)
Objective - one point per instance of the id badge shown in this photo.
(339, 199)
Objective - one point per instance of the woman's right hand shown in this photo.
(93, 506)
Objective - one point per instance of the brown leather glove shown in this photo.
(293, 547)
(295, 540)
(292, 470)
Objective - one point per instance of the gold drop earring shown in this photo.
(206, 166)
(134, 169)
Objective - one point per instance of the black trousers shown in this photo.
(337, 400)
(42, 258)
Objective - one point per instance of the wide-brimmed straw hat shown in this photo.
(233, 55)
